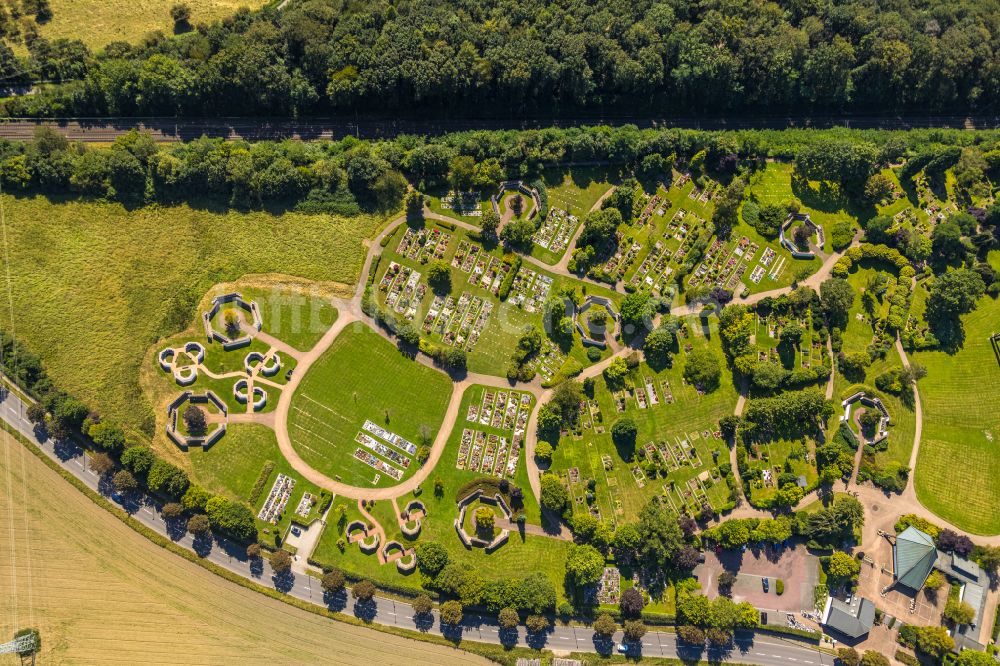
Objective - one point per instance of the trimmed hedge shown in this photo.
(810, 636)
(258, 486)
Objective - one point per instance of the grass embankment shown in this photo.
(101, 592)
(95, 285)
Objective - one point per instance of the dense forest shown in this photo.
(501, 57)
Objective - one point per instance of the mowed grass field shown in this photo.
(102, 594)
(95, 285)
(363, 376)
(100, 22)
(958, 469)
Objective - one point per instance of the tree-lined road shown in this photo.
(749, 648)
(100, 130)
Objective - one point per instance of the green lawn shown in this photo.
(232, 466)
(774, 186)
(363, 377)
(574, 191)
(116, 280)
(297, 317)
(161, 386)
(857, 336)
(577, 190)
(517, 557)
(958, 470)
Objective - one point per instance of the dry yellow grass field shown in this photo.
(102, 594)
(99, 22)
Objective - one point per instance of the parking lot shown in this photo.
(795, 566)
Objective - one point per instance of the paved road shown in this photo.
(185, 129)
(763, 650)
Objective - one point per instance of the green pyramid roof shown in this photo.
(913, 557)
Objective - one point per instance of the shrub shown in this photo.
(422, 605)
(101, 463)
(171, 511)
(543, 452)
(233, 518)
(634, 629)
(258, 486)
(198, 524)
(536, 623)
(124, 482)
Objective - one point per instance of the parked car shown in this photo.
(765, 584)
(623, 648)
(296, 531)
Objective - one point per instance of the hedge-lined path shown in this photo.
(374, 527)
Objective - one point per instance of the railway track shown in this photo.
(97, 130)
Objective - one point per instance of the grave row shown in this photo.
(459, 323)
(423, 245)
(487, 453)
(530, 290)
(274, 505)
(502, 410)
(725, 264)
(401, 456)
(463, 203)
(403, 290)
(556, 230)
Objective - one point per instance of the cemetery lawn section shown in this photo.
(233, 466)
(577, 190)
(152, 605)
(857, 336)
(100, 22)
(363, 377)
(518, 557)
(624, 480)
(298, 317)
(958, 471)
(117, 280)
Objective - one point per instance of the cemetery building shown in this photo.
(853, 619)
